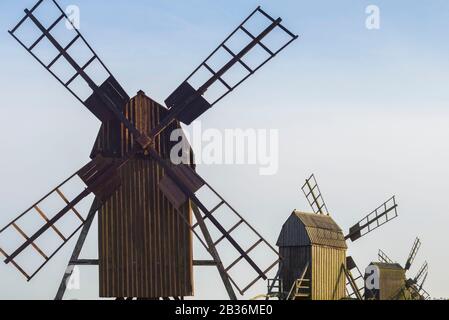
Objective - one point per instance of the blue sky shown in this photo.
(366, 110)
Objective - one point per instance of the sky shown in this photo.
(365, 110)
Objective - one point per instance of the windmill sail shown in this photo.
(104, 96)
(228, 66)
(413, 253)
(380, 216)
(47, 225)
(314, 197)
(354, 280)
(384, 258)
(424, 278)
(220, 212)
(421, 273)
(182, 183)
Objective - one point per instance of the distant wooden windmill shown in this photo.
(144, 201)
(313, 248)
(387, 280)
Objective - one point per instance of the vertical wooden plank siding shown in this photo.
(319, 241)
(328, 278)
(145, 247)
(294, 260)
(392, 280)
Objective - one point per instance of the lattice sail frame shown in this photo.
(313, 195)
(382, 257)
(413, 253)
(104, 97)
(99, 177)
(261, 241)
(377, 218)
(63, 18)
(198, 185)
(205, 77)
(421, 289)
(354, 290)
(422, 272)
(50, 222)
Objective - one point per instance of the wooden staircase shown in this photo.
(301, 288)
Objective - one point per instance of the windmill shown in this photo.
(144, 201)
(391, 278)
(313, 248)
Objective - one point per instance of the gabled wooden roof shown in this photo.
(388, 266)
(114, 140)
(305, 229)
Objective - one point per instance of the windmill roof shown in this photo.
(304, 229)
(383, 265)
(144, 113)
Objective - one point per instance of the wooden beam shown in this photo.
(204, 263)
(246, 252)
(84, 262)
(20, 231)
(214, 253)
(228, 232)
(77, 250)
(63, 197)
(42, 214)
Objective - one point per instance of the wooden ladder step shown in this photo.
(301, 297)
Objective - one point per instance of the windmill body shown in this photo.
(318, 242)
(386, 282)
(144, 242)
(145, 201)
(313, 249)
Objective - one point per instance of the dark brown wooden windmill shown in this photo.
(313, 248)
(387, 280)
(144, 200)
